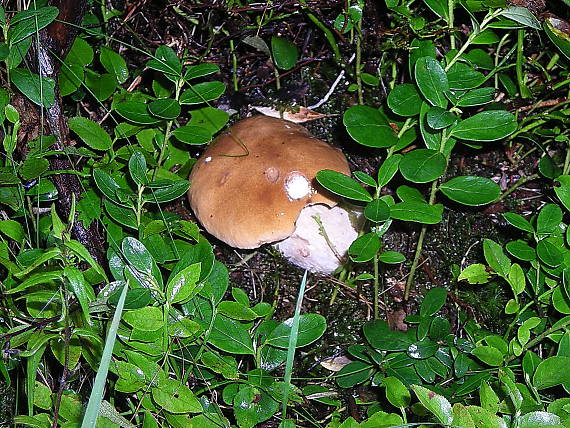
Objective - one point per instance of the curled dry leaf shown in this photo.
(335, 364)
(300, 115)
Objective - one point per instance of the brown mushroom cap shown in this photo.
(238, 186)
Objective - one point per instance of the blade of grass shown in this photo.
(293, 344)
(92, 411)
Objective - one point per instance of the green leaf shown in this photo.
(169, 193)
(422, 165)
(563, 192)
(496, 258)
(549, 253)
(70, 79)
(433, 301)
(486, 126)
(539, 419)
(342, 185)
(396, 392)
(556, 30)
(175, 397)
(439, 118)
(252, 406)
(516, 279)
(135, 112)
(285, 53)
(407, 193)
(521, 250)
(137, 168)
(485, 419)
(521, 15)
(548, 167)
(237, 311)
(311, 327)
(200, 70)
(222, 364)
(435, 403)
(202, 93)
(13, 230)
(33, 167)
(91, 133)
(462, 417)
(391, 257)
(81, 289)
(519, 222)
(182, 286)
(463, 76)
(81, 53)
(388, 169)
(471, 190)
(165, 108)
(439, 7)
(476, 97)
(101, 85)
(137, 255)
(377, 211)
(209, 118)
(488, 398)
(166, 61)
(475, 274)
(354, 373)
(369, 127)
(489, 355)
(364, 248)
(432, 81)
(149, 318)
(485, 37)
(405, 100)
(114, 64)
(121, 215)
(230, 336)
(417, 211)
(39, 91)
(28, 22)
(192, 135)
(549, 219)
(380, 336)
(422, 349)
(551, 372)
(364, 178)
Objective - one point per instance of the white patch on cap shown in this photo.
(297, 186)
(208, 159)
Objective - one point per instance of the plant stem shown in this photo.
(523, 180)
(540, 337)
(376, 285)
(328, 33)
(450, 23)
(524, 91)
(234, 66)
(472, 36)
(419, 247)
(566, 168)
(357, 67)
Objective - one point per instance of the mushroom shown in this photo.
(256, 184)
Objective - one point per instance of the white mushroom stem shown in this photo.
(310, 248)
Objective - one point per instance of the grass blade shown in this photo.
(92, 411)
(293, 344)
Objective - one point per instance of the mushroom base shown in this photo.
(308, 248)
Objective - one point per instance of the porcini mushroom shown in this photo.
(256, 184)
